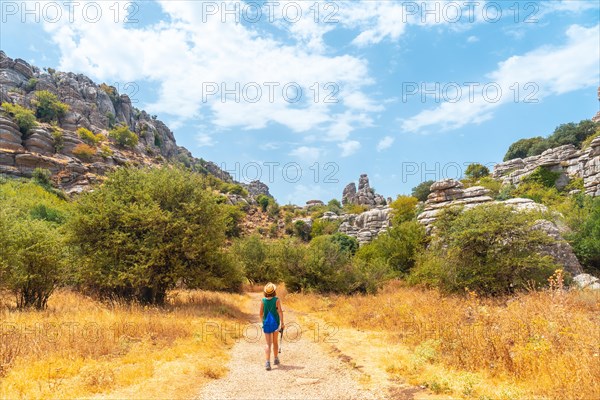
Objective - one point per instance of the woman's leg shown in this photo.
(275, 343)
(269, 337)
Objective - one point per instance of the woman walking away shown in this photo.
(271, 315)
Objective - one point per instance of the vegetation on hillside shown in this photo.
(571, 133)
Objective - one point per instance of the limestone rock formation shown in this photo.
(567, 160)
(91, 106)
(365, 195)
(587, 281)
(365, 226)
(449, 192)
(256, 188)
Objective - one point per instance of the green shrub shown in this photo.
(476, 171)
(263, 201)
(301, 230)
(24, 117)
(324, 227)
(234, 217)
(542, 176)
(490, 249)
(404, 208)
(84, 152)
(254, 255)
(539, 193)
(42, 177)
(334, 206)
(105, 151)
(398, 248)
(47, 106)
(88, 137)
(583, 217)
(30, 85)
(422, 190)
(123, 136)
(156, 228)
(355, 208)
(587, 142)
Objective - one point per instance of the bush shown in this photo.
(42, 177)
(476, 171)
(422, 190)
(584, 220)
(88, 137)
(84, 152)
(263, 201)
(234, 217)
(539, 193)
(571, 133)
(123, 136)
(106, 151)
(156, 228)
(398, 248)
(404, 208)
(542, 176)
(24, 117)
(490, 249)
(334, 206)
(302, 230)
(587, 142)
(47, 106)
(355, 208)
(255, 257)
(324, 227)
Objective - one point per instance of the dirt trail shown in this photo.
(307, 370)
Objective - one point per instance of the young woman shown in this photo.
(271, 315)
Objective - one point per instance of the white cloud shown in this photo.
(385, 143)
(546, 71)
(472, 39)
(348, 148)
(306, 153)
(176, 54)
(204, 140)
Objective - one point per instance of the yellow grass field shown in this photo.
(536, 345)
(81, 348)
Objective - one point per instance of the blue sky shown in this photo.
(407, 91)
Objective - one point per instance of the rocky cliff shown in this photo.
(98, 108)
(449, 192)
(365, 195)
(567, 160)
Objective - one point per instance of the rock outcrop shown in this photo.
(449, 192)
(587, 281)
(566, 160)
(94, 107)
(365, 226)
(365, 195)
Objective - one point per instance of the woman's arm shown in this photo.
(262, 310)
(280, 311)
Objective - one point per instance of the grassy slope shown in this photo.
(537, 345)
(80, 348)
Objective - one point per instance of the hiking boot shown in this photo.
(276, 362)
(268, 365)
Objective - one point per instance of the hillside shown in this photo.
(99, 108)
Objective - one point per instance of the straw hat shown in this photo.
(270, 288)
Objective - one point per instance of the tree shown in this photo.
(334, 206)
(422, 190)
(24, 117)
(585, 237)
(404, 208)
(398, 248)
(123, 136)
(47, 106)
(490, 249)
(476, 171)
(145, 230)
(263, 201)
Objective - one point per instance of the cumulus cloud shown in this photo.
(545, 71)
(385, 143)
(348, 148)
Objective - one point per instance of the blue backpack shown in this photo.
(270, 324)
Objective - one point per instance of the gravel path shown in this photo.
(307, 371)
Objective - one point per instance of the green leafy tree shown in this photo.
(398, 248)
(47, 106)
(263, 201)
(324, 227)
(490, 249)
(422, 190)
(145, 230)
(255, 256)
(476, 171)
(24, 117)
(334, 206)
(404, 208)
(583, 215)
(123, 136)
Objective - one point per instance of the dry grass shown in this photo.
(534, 345)
(80, 348)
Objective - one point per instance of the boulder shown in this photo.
(560, 250)
(587, 281)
